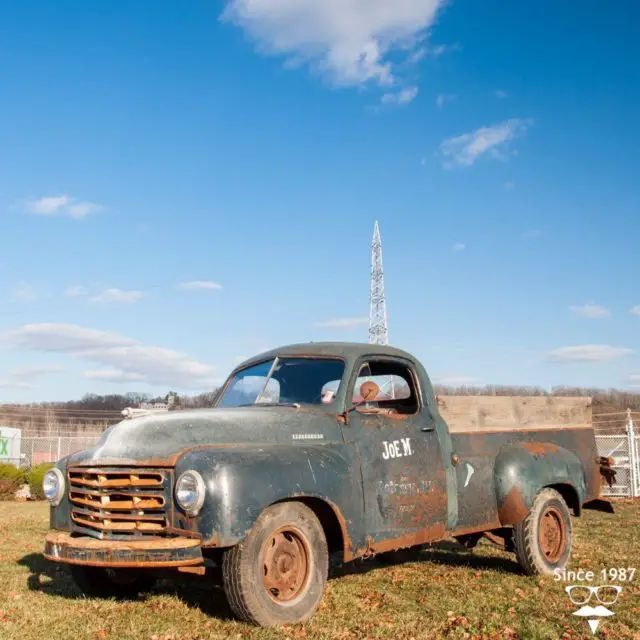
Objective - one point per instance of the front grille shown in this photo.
(119, 503)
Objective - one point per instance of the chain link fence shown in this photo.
(617, 437)
(28, 451)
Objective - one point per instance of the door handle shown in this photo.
(427, 428)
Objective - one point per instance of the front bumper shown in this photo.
(60, 546)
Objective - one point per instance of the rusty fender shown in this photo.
(522, 469)
(242, 481)
(60, 546)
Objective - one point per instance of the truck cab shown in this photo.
(314, 451)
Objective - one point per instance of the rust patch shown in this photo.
(540, 447)
(513, 510)
(480, 528)
(60, 546)
(423, 536)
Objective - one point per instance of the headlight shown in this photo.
(53, 486)
(190, 492)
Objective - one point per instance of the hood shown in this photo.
(159, 439)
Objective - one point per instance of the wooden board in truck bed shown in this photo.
(466, 414)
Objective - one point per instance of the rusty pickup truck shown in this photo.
(315, 452)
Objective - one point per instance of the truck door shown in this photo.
(405, 493)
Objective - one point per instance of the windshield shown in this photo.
(285, 381)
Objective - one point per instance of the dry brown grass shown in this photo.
(443, 593)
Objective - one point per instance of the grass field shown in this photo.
(445, 592)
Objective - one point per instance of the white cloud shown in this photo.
(153, 365)
(459, 246)
(443, 98)
(14, 384)
(635, 310)
(239, 359)
(401, 97)
(75, 291)
(117, 296)
(114, 375)
(350, 41)
(63, 205)
(199, 285)
(589, 353)
(500, 94)
(343, 323)
(590, 310)
(493, 141)
(35, 370)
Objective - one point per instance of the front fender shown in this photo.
(241, 482)
(521, 470)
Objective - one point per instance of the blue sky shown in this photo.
(185, 184)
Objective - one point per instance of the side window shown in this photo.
(395, 383)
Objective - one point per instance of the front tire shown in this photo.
(100, 582)
(543, 539)
(277, 574)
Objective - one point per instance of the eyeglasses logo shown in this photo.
(606, 595)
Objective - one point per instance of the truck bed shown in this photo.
(465, 414)
(482, 426)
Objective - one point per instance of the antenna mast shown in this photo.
(378, 332)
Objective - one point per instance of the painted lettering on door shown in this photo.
(397, 448)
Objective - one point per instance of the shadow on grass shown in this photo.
(194, 591)
(446, 553)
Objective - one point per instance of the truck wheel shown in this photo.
(101, 582)
(543, 539)
(277, 574)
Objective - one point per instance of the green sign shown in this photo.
(4, 447)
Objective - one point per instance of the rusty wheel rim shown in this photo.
(285, 564)
(552, 534)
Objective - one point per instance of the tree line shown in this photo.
(94, 412)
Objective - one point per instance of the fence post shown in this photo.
(634, 460)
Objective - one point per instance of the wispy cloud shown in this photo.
(589, 353)
(344, 324)
(635, 310)
(62, 205)
(351, 42)
(24, 293)
(500, 94)
(23, 377)
(75, 291)
(509, 184)
(114, 295)
(590, 310)
(492, 142)
(401, 97)
(146, 363)
(199, 285)
(114, 375)
(459, 246)
(443, 98)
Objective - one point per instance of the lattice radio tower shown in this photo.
(378, 331)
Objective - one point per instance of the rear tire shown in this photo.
(543, 539)
(277, 574)
(100, 582)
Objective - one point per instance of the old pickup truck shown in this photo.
(315, 452)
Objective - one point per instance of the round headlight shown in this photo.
(190, 490)
(53, 486)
